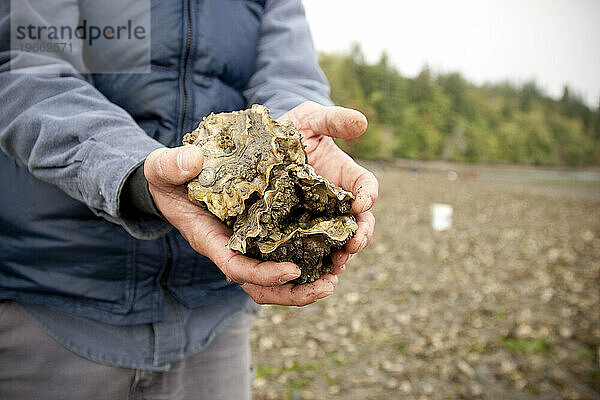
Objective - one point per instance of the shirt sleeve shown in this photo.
(287, 71)
(56, 124)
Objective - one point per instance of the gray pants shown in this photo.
(33, 366)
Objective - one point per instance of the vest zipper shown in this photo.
(165, 276)
(188, 48)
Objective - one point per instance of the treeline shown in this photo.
(442, 116)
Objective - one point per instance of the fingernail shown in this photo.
(363, 244)
(287, 277)
(184, 159)
(322, 295)
(347, 258)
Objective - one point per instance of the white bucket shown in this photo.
(441, 216)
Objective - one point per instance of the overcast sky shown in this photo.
(555, 42)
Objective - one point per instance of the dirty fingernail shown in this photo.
(287, 277)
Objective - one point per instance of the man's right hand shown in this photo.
(167, 170)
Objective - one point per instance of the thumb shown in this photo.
(334, 121)
(173, 166)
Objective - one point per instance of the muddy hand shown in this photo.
(318, 125)
(167, 170)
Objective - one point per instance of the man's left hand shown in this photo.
(318, 125)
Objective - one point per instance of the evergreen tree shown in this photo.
(445, 116)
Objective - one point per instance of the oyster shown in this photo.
(255, 178)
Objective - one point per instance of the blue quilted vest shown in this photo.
(55, 251)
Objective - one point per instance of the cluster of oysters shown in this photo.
(256, 179)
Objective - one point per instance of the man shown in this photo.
(103, 298)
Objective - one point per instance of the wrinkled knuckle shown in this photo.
(194, 241)
(236, 279)
(230, 265)
(210, 235)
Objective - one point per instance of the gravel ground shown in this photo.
(505, 305)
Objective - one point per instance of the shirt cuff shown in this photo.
(104, 172)
(137, 212)
(136, 197)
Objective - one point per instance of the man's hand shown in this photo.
(318, 125)
(168, 169)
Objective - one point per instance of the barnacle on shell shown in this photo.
(256, 179)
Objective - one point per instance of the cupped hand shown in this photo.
(166, 171)
(318, 125)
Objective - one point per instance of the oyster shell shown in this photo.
(255, 178)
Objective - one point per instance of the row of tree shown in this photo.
(442, 116)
